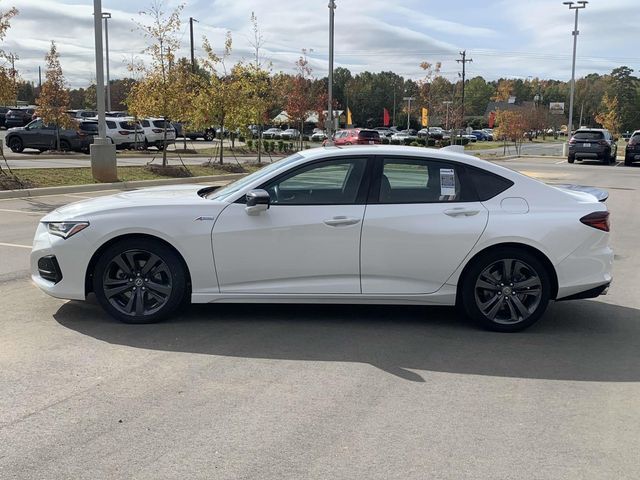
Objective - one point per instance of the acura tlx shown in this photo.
(369, 225)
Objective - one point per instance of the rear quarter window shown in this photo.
(111, 124)
(487, 185)
(369, 134)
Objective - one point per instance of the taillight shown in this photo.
(124, 132)
(633, 141)
(157, 130)
(603, 142)
(599, 220)
(81, 133)
(572, 141)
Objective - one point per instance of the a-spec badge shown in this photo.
(203, 218)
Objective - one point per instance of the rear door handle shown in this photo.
(461, 212)
(341, 221)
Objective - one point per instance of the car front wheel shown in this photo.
(139, 281)
(506, 290)
(16, 145)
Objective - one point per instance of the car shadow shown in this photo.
(580, 340)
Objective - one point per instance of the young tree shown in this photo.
(299, 100)
(511, 125)
(222, 98)
(431, 72)
(7, 72)
(159, 91)
(609, 116)
(53, 101)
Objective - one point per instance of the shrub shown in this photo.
(305, 138)
(241, 138)
(408, 141)
(384, 140)
(431, 142)
(414, 144)
(421, 141)
(395, 142)
(280, 146)
(445, 143)
(290, 145)
(250, 144)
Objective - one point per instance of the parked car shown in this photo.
(480, 135)
(124, 132)
(592, 143)
(18, 117)
(318, 135)
(290, 134)
(272, 134)
(403, 136)
(117, 113)
(632, 150)
(207, 135)
(489, 133)
(154, 132)
(385, 132)
(80, 114)
(3, 114)
(434, 133)
(386, 225)
(356, 136)
(38, 136)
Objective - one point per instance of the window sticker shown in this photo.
(447, 181)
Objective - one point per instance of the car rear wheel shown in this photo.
(506, 290)
(65, 146)
(571, 158)
(209, 136)
(139, 281)
(16, 145)
(628, 160)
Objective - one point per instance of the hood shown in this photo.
(155, 197)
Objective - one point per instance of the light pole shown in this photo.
(408, 100)
(580, 4)
(103, 152)
(330, 124)
(107, 16)
(446, 123)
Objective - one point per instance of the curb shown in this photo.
(97, 187)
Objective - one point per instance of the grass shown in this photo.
(54, 177)
(499, 144)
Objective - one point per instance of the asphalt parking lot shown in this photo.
(294, 392)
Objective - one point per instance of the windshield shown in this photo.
(224, 193)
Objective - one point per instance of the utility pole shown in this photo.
(446, 123)
(408, 100)
(107, 16)
(193, 58)
(39, 78)
(393, 120)
(13, 76)
(581, 4)
(330, 120)
(464, 62)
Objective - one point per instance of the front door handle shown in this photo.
(461, 212)
(341, 221)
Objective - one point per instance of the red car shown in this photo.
(356, 136)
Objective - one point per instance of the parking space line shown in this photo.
(20, 211)
(2, 244)
(561, 161)
(73, 195)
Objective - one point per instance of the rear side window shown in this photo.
(145, 123)
(419, 181)
(111, 124)
(128, 125)
(89, 127)
(588, 135)
(487, 184)
(369, 134)
(160, 123)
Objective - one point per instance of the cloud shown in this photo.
(505, 38)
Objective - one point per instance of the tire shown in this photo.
(628, 161)
(613, 157)
(208, 136)
(65, 146)
(130, 291)
(16, 145)
(571, 158)
(489, 296)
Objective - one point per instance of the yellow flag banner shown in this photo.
(425, 117)
(349, 117)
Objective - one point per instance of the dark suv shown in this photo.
(592, 143)
(632, 152)
(3, 115)
(42, 137)
(18, 117)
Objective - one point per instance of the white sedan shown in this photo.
(370, 224)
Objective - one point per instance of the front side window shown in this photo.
(331, 182)
(407, 180)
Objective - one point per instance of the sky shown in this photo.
(505, 38)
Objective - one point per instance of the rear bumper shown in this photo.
(581, 152)
(590, 293)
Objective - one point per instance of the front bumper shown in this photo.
(71, 258)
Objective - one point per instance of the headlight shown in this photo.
(66, 229)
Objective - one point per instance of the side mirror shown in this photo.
(257, 201)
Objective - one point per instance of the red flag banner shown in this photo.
(492, 119)
(386, 117)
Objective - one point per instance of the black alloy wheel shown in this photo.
(139, 281)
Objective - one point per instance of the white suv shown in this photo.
(154, 132)
(124, 132)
